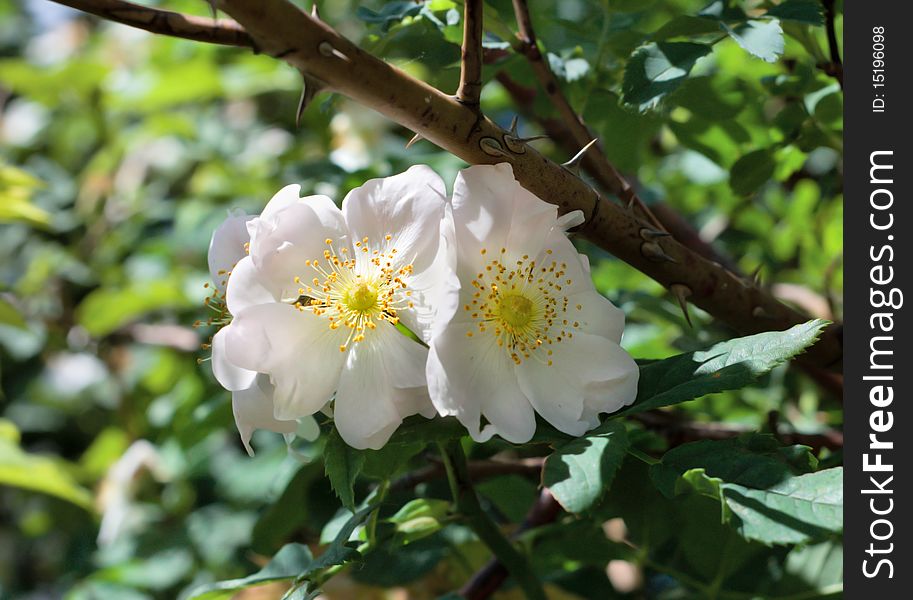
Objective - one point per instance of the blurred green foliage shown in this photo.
(121, 474)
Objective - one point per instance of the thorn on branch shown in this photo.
(573, 165)
(649, 235)
(682, 292)
(756, 276)
(327, 49)
(310, 88)
(653, 251)
(514, 142)
(414, 139)
(315, 12)
(492, 147)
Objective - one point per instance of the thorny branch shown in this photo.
(471, 59)
(282, 30)
(164, 22)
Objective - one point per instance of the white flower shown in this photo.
(317, 301)
(251, 394)
(520, 325)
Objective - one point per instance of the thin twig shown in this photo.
(478, 470)
(489, 578)
(594, 160)
(201, 29)
(471, 59)
(524, 99)
(467, 505)
(282, 30)
(835, 67)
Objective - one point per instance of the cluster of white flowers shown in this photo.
(504, 319)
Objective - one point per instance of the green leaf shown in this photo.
(419, 518)
(657, 69)
(579, 472)
(751, 171)
(686, 26)
(293, 561)
(570, 69)
(340, 550)
(10, 316)
(391, 566)
(763, 39)
(106, 310)
(342, 464)
(36, 473)
(287, 564)
(755, 460)
(390, 14)
(390, 460)
(725, 366)
(795, 511)
(16, 189)
(419, 430)
(307, 501)
(809, 12)
(766, 492)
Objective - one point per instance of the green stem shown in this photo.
(643, 456)
(467, 504)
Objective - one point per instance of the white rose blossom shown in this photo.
(317, 301)
(251, 394)
(520, 326)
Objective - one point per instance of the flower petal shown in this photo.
(253, 409)
(227, 247)
(408, 207)
(365, 413)
(230, 377)
(432, 288)
(597, 315)
(492, 210)
(559, 392)
(245, 288)
(469, 377)
(281, 200)
(291, 235)
(610, 396)
(297, 349)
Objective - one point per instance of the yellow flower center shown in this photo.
(356, 292)
(515, 310)
(523, 305)
(361, 298)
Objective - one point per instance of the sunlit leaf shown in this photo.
(579, 472)
(657, 69)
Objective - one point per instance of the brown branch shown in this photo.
(200, 29)
(594, 161)
(471, 60)
(679, 432)
(524, 99)
(282, 30)
(478, 471)
(489, 578)
(835, 67)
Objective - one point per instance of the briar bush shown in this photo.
(257, 346)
